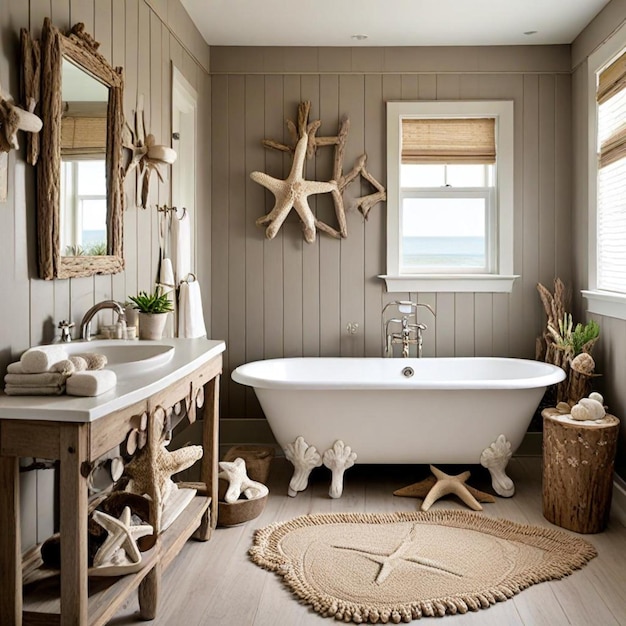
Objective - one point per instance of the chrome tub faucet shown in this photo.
(410, 331)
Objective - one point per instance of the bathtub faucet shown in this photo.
(410, 331)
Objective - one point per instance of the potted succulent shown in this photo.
(153, 310)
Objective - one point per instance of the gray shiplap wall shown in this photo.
(287, 298)
(611, 354)
(143, 37)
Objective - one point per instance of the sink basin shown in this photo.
(126, 358)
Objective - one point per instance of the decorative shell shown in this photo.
(588, 409)
(583, 363)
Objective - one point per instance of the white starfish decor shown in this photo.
(238, 482)
(119, 549)
(292, 192)
(447, 484)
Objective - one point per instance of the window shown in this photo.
(84, 218)
(450, 196)
(607, 181)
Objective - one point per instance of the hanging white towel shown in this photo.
(166, 280)
(181, 244)
(190, 314)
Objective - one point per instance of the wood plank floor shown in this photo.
(215, 583)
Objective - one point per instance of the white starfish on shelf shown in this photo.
(120, 547)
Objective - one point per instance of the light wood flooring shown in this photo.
(215, 583)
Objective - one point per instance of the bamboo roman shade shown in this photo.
(448, 140)
(83, 135)
(611, 209)
(612, 108)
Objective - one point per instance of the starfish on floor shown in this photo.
(442, 484)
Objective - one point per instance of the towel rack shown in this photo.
(190, 278)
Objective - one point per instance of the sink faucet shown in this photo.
(85, 324)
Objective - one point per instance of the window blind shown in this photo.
(83, 135)
(449, 140)
(611, 204)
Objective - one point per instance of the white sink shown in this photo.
(126, 358)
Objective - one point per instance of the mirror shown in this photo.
(79, 167)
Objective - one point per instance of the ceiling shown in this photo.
(390, 22)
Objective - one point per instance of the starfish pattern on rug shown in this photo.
(405, 552)
(151, 468)
(447, 484)
(122, 536)
(292, 192)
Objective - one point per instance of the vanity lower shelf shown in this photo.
(107, 595)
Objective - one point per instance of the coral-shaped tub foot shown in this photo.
(495, 458)
(303, 458)
(338, 459)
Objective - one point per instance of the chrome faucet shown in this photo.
(410, 332)
(85, 324)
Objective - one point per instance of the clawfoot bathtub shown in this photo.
(429, 410)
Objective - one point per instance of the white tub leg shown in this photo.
(303, 458)
(338, 459)
(495, 458)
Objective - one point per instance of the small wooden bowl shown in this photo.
(232, 514)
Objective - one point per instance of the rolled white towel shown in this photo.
(90, 382)
(15, 368)
(41, 359)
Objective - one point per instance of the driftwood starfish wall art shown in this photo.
(294, 190)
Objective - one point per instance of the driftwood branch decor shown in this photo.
(566, 345)
(12, 119)
(291, 192)
(145, 155)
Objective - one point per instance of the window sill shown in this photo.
(487, 283)
(606, 303)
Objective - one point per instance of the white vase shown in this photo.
(151, 325)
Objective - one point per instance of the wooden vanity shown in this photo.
(76, 431)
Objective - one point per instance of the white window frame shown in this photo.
(502, 277)
(605, 303)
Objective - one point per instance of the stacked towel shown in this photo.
(90, 383)
(44, 371)
(190, 314)
(43, 384)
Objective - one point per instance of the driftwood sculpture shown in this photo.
(145, 154)
(566, 345)
(299, 131)
(14, 118)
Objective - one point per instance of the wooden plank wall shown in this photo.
(284, 297)
(143, 37)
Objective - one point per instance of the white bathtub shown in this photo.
(451, 410)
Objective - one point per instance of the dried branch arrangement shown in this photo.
(294, 191)
(566, 345)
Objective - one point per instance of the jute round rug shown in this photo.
(398, 567)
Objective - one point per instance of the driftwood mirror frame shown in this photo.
(80, 48)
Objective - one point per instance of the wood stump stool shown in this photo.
(578, 459)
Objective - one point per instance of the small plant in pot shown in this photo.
(153, 310)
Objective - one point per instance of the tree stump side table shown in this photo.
(578, 460)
